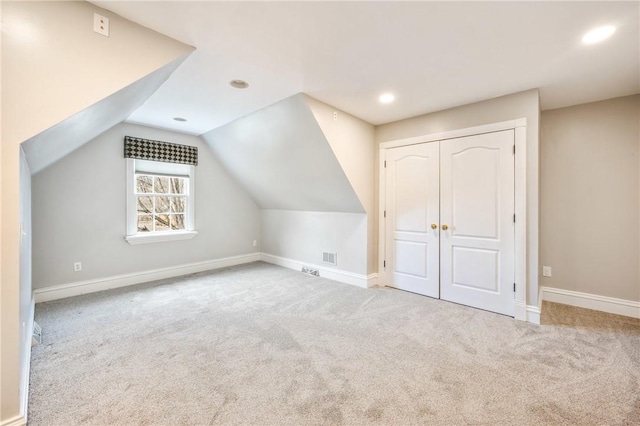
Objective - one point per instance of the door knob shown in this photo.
(434, 226)
(445, 227)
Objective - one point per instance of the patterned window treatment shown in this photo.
(167, 152)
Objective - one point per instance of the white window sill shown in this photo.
(159, 237)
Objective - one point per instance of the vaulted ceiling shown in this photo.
(431, 55)
(281, 156)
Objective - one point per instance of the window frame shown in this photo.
(132, 235)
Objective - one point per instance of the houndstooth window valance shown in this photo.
(167, 152)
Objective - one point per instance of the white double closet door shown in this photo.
(450, 220)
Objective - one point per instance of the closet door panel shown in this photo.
(477, 207)
(412, 188)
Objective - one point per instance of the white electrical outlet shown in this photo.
(255, 243)
(546, 271)
(101, 24)
(335, 115)
(77, 267)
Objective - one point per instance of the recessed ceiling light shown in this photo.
(386, 98)
(179, 119)
(239, 84)
(599, 34)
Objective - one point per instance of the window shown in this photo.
(159, 201)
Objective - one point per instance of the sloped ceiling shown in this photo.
(281, 157)
(63, 84)
(56, 142)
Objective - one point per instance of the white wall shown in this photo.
(303, 236)
(353, 142)
(53, 67)
(590, 197)
(79, 214)
(519, 105)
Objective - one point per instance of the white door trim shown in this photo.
(519, 126)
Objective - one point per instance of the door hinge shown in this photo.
(384, 263)
(514, 287)
(385, 163)
(385, 213)
(514, 149)
(514, 218)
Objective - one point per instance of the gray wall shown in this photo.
(303, 236)
(590, 197)
(312, 177)
(26, 311)
(281, 156)
(519, 105)
(79, 214)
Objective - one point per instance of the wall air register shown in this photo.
(330, 258)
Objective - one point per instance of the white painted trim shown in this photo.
(372, 280)
(15, 421)
(24, 398)
(521, 310)
(358, 280)
(533, 314)
(159, 237)
(451, 134)
(382, 220)
(91, 286)
(612, 305)
(21, 419)
(520, 210)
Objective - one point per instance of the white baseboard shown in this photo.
(533, 314)
(372, 280)
(14, 421)
(359, 280)
(629, 308)
(91, 286)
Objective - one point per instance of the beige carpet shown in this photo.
(263, 345)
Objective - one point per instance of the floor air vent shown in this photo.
(331, 258)
(310, 271)
(36, 337)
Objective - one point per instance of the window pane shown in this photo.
(162, 222)
(177, 204)
(177, 221)
(177, 185)
(161, 184)
(144, 184)
(162, 204)
(145, 223)
(145, 204)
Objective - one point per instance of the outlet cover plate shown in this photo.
(101, 24)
